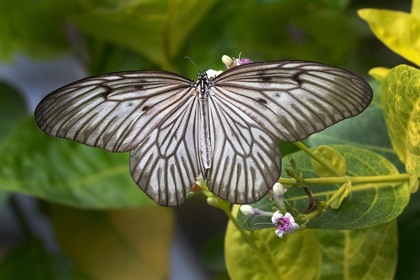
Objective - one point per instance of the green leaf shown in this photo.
(33, 27)
(66, 172)
(408, 245)
(367, 205)
(369, 253)
(333, 157)
(12, 109)
(314, 254)
(367, 130)
(156, 29)
(109, 244)
(296, 256)
(31, 261)
(12, 112)
(397, 30)
(400, 99)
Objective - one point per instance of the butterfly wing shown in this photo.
(293, 99)
(167, 162)
(150, 113)
(246, 158)
(114, 111)
(252, 104)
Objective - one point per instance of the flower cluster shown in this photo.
(285, 223)
(230, 62)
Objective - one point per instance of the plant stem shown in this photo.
(397, 178)
(319, 159)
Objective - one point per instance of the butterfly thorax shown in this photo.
(205, 145)
(202, 84)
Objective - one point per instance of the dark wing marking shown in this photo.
(293, 99)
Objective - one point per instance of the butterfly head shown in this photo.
(202, 76)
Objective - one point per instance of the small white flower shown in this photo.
(213, 73)
(278, 194)
(285, 224)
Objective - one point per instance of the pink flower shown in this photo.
(245, 61)
(285, 224)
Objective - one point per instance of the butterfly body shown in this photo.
(203, 90)
(225, 128)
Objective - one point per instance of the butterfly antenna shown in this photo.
(221, 57)
(192, 62)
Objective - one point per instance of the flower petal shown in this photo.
(279, 233)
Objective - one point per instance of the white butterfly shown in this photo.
(223, 127)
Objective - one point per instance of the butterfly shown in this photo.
(224, 127)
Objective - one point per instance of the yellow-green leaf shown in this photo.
(369, 253)
(379, 73)
(400, 100)
(399, 31)
(332, 156)
(118, 244)
(415, 8)
(296, 256)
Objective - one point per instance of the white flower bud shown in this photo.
(278, 193)
(227, 61)
(247, 210)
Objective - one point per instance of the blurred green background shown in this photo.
(72, 212)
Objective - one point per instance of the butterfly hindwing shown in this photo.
(246, 158)
(166, 163)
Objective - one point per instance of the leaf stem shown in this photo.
(397, 178)
(319, 159)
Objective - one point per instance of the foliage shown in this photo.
(314, 254)
(367, 205)
(358, 182)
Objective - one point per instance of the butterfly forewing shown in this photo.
(293, 99)
(113, 111)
